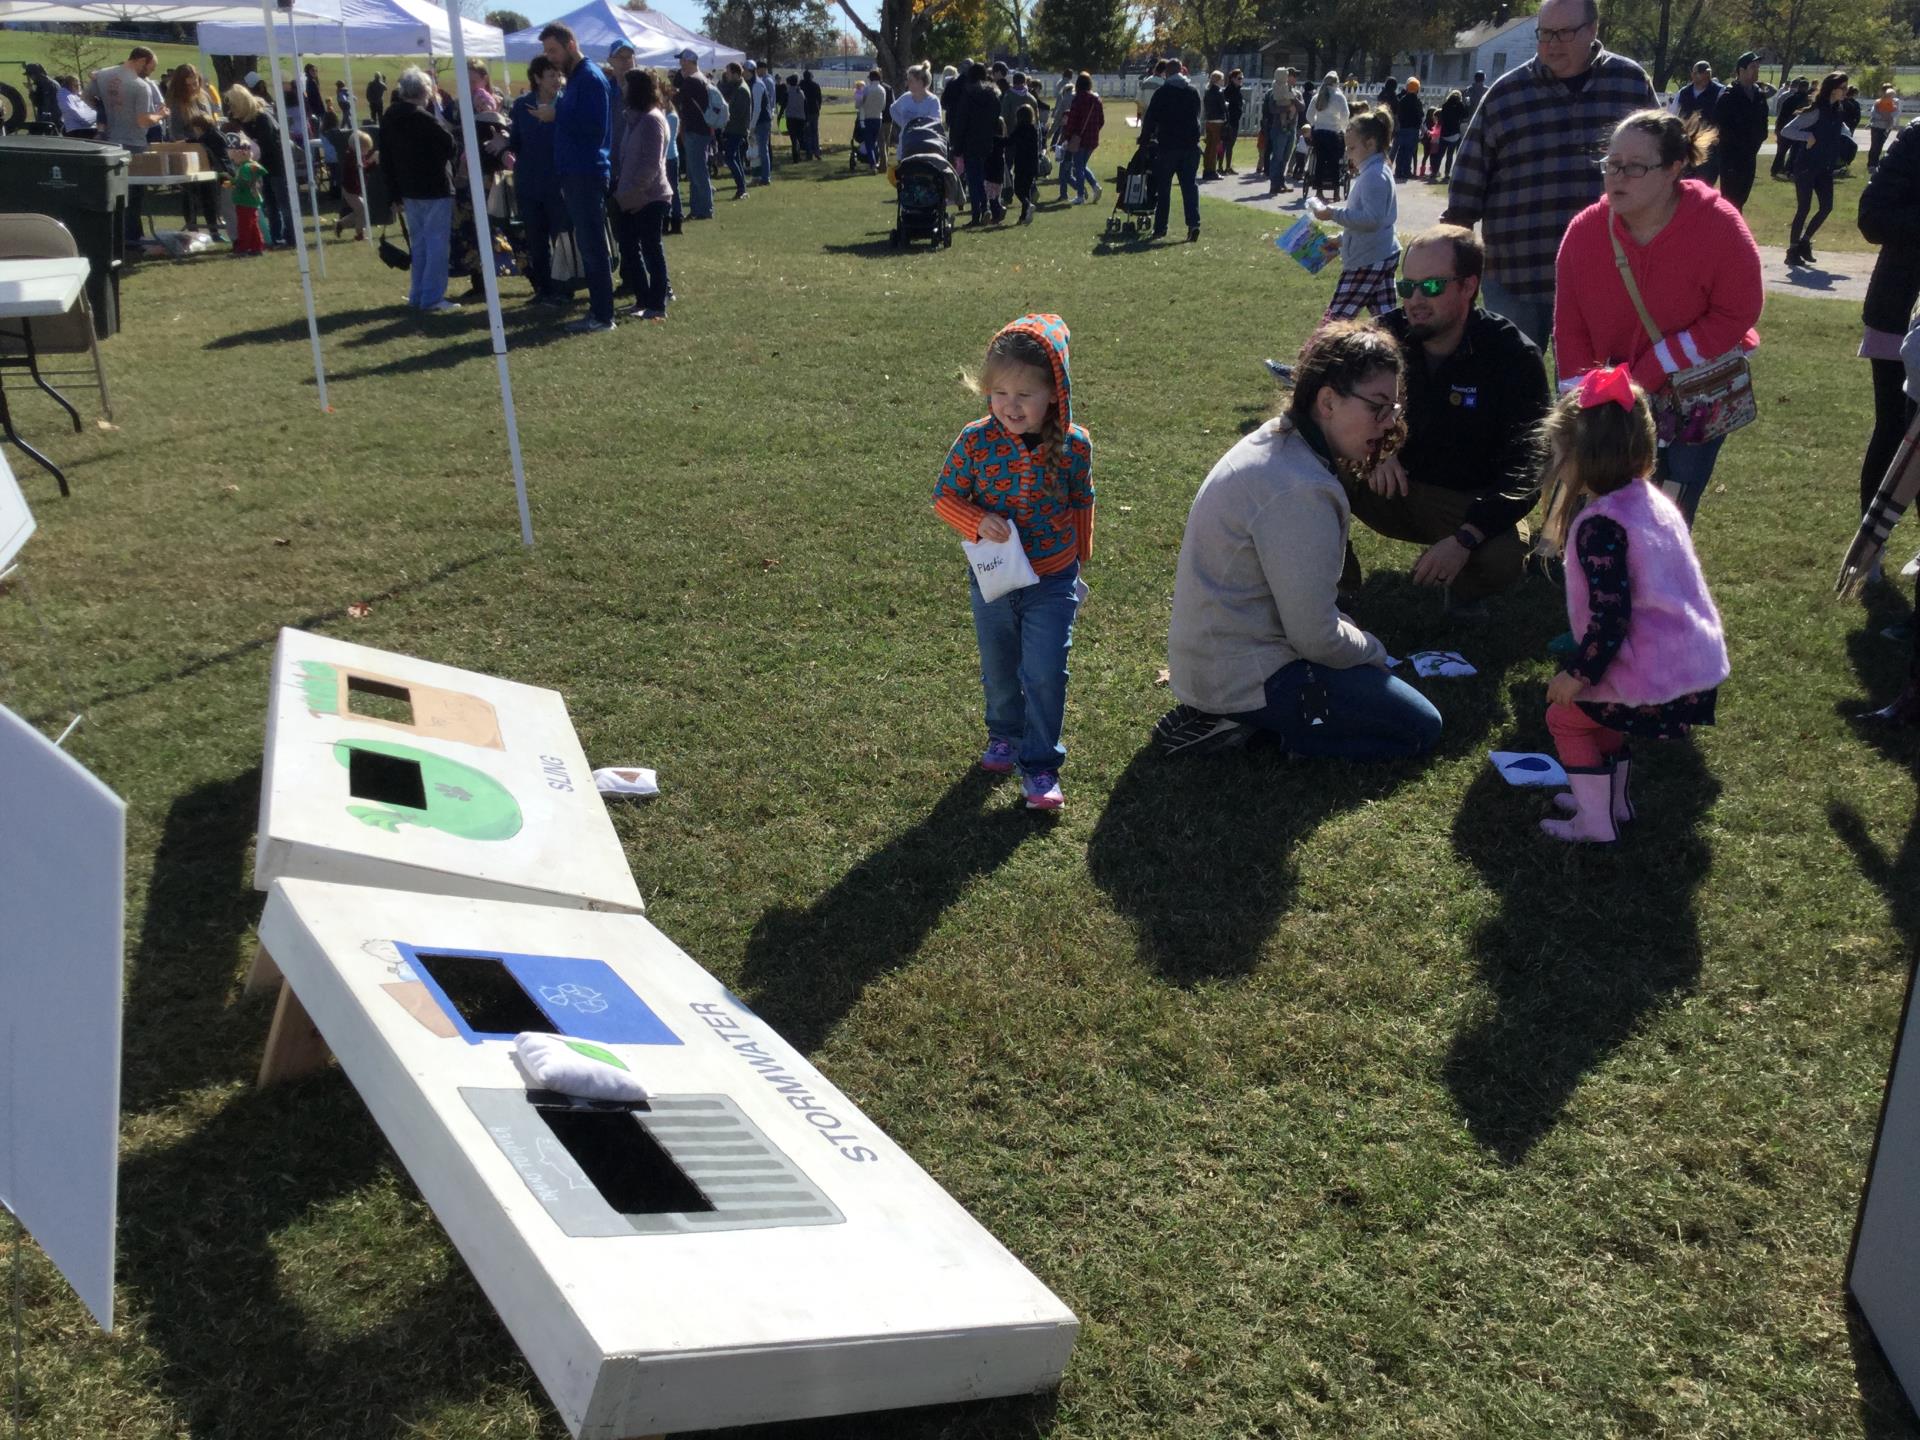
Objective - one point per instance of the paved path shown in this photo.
(1839, 276)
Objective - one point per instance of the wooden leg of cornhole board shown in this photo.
(262, 975)
(294, 1046)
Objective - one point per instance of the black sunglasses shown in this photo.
(1430, 288)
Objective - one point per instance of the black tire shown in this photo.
(14, 110)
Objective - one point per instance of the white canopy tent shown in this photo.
(372, 27)
(598, 24)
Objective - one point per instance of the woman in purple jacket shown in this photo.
(641, 193)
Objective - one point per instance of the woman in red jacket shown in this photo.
(1078, 135)
(1693, 259)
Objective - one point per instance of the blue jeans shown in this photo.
(1406, 146)
(277, 213)
(1689, 467)
(1024, 639)
(586, 197)
(429, 230)
(1170, 165)
(699, 182)
(674, 212)
(545, 217)
(1534, 317)
(1358, 714)
(733, 151)
(763, 137)
(977, 185)
(1073, 171)
(870, 140)
(1280, 143)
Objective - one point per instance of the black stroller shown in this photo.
(927, 188)
(1134, 197)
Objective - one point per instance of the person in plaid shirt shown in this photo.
(1528, 162)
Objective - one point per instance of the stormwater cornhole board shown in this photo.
(744, 1246)
(386, 770)
(1883, 1273)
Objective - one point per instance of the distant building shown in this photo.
(1495, 46)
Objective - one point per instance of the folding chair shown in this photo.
(23, 341)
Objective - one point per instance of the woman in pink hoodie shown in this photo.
(1649, 655)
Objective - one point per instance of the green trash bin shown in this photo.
(83, 185)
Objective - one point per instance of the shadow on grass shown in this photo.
(311, 621)
(211, 1226)
(1014, 1418)
(877, 248)
(1586, 943)
(806, 969)
(1885, 1411)
(1881, 665)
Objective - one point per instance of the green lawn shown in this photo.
(1335, 1101)
(1769, 209)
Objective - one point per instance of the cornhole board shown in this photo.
(386, 770)
(16, 520)
(1883, 1268)
(745, 1246)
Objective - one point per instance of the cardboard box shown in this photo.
(184, 162)
(147, 162)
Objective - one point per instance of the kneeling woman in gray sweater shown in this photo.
(1258, 641)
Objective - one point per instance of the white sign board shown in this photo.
(16, 521)
(62, 883)
(744, 1246)
(386, 770)
(1884, 1272)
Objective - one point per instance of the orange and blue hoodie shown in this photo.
(1047, 494)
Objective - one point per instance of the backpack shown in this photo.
(716, 112)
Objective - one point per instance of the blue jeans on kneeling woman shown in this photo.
(1362, 713)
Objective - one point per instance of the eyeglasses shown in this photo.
(1632, 169)
(1561, 37)
(1382, 409)
(1429, 288)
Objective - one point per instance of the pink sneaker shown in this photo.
(1042, 789)
(998, 757)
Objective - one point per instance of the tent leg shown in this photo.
(313, 175)
(299, 229)
(353, 138)
(483, 238)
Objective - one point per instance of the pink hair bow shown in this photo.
(1607, 384)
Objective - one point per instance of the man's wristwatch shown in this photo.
(1467, 540)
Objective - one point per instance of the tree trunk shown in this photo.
(229, 70)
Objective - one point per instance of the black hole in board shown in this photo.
(377, 700)
(387, 778)
(485, 993)
(624, 1162)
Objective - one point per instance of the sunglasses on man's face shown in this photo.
(1429, 288)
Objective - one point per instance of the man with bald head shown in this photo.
(1527, 164)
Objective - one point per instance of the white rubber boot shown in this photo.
(1622, 792)
(1592, 820)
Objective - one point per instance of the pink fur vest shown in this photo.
(1673, 646)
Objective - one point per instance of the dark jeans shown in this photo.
(1874, 147)
(1892, 413)
(586, 199)
(1808, 182)
(203, 198)
(277, 210)
(1358, 714)
(643, 260)
(1405, 146)
(545, 216)
(1783, 156)
(1736, 178)
(1181, 165)
(674, 213)
(1687, 469)
(733, 150)
(977, 184)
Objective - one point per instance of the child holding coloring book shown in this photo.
(1649, 654)
(1369, 244)
(1024, 471)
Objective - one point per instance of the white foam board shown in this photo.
(16, 520)
(481, 787)
(62, 887)
(832, 1274)
(1884, 1273)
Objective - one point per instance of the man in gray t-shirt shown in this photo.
(129, 105)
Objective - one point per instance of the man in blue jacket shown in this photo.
(1172, 125)
(582, 118)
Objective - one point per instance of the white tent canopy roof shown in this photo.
(186, 12)
(598, 24)
(374, 27)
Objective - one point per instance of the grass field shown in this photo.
(1335, 1101)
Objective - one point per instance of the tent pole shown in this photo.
(483, 240)
(352, 122)
(313, 175)
(300, 225)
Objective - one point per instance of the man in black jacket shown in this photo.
(1740, 117)
(1890, 218)
(1409, 120)
(976, 126)
(416, 156)
(1172, 126)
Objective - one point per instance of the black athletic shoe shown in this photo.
(1184, 730)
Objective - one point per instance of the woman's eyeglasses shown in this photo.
(1632, 169)
(1382, 409)
(1429, 288)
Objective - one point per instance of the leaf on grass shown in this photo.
(359, 610)
(1162, 677)
(770, 563)
(106, 425)
(281, 540)
(1126, 509)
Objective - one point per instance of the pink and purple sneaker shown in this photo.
(1042, 789)
(999, 756)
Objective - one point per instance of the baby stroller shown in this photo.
(927, 188)
(1134, 197)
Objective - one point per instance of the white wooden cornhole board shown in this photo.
(1883, 1271)
(386, 770)
(748, 1247)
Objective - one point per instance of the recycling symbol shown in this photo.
(581, 999)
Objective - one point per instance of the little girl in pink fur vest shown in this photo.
(1649, 655)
